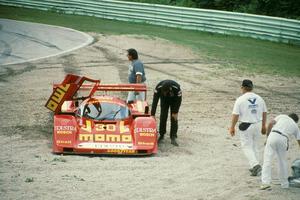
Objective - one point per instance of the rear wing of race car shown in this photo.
(117, 87)
(66, 91)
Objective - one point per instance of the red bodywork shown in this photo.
(100, 124)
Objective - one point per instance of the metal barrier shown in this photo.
(255, 26)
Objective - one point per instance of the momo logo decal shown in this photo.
(105, 138)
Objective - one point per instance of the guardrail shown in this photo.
(255, 26)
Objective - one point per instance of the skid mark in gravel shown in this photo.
(116, 61)
(10, 72)
(70, 65)
(29, 132)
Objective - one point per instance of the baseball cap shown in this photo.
(247, 83)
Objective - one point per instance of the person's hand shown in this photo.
(263, 130)
(232, 131)
(174, 116)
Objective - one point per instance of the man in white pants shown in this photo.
(279, 131)
(251, 112)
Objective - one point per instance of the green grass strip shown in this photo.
(245, 54)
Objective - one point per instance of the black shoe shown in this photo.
(173, 141)
(256, 170)
(160, 139)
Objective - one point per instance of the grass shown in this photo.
(246, 54)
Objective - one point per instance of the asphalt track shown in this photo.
(25, 41)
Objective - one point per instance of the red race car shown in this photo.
(102, 123)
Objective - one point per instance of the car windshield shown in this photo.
(103, 111)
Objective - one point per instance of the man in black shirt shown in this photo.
(170, 96)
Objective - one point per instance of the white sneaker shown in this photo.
(265, 187)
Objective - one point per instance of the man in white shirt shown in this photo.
(279, 131)
(251, 112)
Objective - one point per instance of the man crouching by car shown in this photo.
(170, 95)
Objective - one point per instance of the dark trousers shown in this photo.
(165, 105)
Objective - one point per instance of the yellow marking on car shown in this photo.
(57, 96)
(105, 137)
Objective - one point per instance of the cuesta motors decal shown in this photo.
(145, 132)
(64, 129)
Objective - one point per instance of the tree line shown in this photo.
(278, 8)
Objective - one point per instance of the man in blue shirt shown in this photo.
(136, 74)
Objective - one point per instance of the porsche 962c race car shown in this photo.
(102, 123)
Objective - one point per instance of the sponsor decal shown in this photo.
(144, 130)
(146, 143)
(105, 137)
(121, 151)
(252, 100)
(92, 145)
(143, 134)
(64, 130)
(63, 142)
(253, 104)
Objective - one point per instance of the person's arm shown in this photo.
(154, 103)
(264, 120)
(138, 74)
(178, 101)
(235, 117)
(298, 135)
(234, 120)
(270, 126)
(138, 69)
